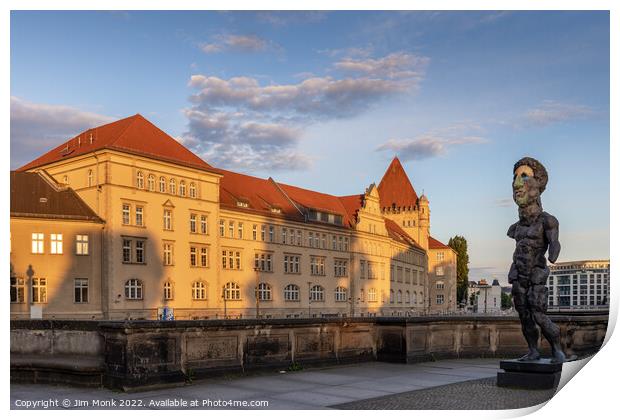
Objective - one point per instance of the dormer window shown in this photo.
(243, 204)
(276, 210)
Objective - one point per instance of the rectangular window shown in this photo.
(37, 243)
(80, 287)
(262, 233)
(299, 238)
(139, 216)
(167, 219)
(316, 240)
(440, 256)
(126, 214)
(81, 244)
(254, 232)
(237, 260)
(340, 243)
(192, 223)
(362, 269)
(231, 260)
(317, 266)
(222, 228)
(439, 270)
(340, 268)
(334, 246)
(272, 236)
(56, 243)
(262, 262)
(231, 229)
(439, 299)
(18, 291)
(284, 233)
(346, 244)
(324, 241)
(310, 239)
(204, 256)
(291, 264)
(168, 254)
(126, 251)
(140, 252)
(39, 290)
(193, 256)
(204, 225)
(240, 230)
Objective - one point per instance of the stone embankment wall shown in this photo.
(136, 354)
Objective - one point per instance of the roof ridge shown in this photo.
(277, 185)
(133, 121)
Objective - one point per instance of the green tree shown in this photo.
(459, 245)
(506, 301)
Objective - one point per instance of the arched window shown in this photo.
(232, 291)
(173, 186)
(167, 290)
(317, 294)
(192, 190)
(162, 184)
(182, 188)
(391, 296)
(372, 295)
(199, 291)
(151, 182)
(399, 297)
(407, 297)
(140, 180)
(415, 298)
(291, 292)
(133, 289)
(264, 291)
(341, 294)
(90, 177)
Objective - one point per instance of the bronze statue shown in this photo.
(535, 233)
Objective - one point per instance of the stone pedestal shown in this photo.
(537, 374)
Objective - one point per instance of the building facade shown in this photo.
(579, 285)
(179, 234)
(485, 297)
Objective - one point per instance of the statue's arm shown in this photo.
(512, 229)
(552, 232)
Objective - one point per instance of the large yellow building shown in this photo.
(170, 231)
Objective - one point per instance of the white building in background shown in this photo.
(579, 285)
(484, 297)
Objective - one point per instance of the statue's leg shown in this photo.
(528, 325)
(537, 300)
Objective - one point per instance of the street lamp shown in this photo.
(225, 297)
(256, 294)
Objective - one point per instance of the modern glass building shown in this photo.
(579, 284)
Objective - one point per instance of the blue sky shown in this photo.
(325, 100)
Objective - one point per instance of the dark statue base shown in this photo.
(534, 374)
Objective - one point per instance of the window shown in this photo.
(167, 219)
(90, 178)
(262, 233)
(18, 291)
(264, 291)
(140, 180)
(240, 230)
(167, 254)
(362, 269)
(204, 256)
(167, 291)
(221, 228)
(162, 184)
(173, 186)
(133, 289)
(334, 242)
(317, 294)
(140, 252)
(37, 243)
(310, 239)
(134, 251)
(439, 270)
(204, 226)
(407, 297)
(182, 188)
(56, 243)
(439, 299)
(317, 266)
(139, 216)
(439, 285)
(340, 294)
(415, 298)
(440, 256)
(372, 295)
(151, 182)
(39, 290)
(271, 234)
(340, 268)
(391, 296)
(126, 214)
(299, 238)
(254, 232)
(232, 291)
(399, 297)
(80, 288)
(323, 241)
(231, 260)
(291, 293)
(372, 270)
(193, 256)
(192, 223)
(284, 233)
(231, 229)
(263, 262)
(399, 274)
(346, 244)
(362, 295)
(291, 264)
(126, 251)
(192, 190)
(199, 291)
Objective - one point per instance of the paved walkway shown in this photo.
(383, 385)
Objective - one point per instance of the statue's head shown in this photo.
(528, 182)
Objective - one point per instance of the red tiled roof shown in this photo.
(37, 195)
(317, 201)
(395, 187)
(435, 244)
(134, 134)
(260, 195)
(398, 234)
(352, 203)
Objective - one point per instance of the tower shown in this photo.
(424, 226)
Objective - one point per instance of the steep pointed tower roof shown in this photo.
(395, 187)
(133, 134)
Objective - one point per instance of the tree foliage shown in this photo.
(506, 301)
(459, 245)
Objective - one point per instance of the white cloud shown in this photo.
(37, 128)
(551, 112)
(246, 43)
(393, 66)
